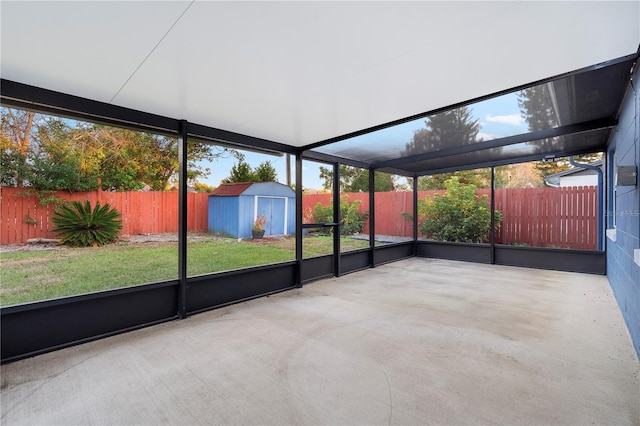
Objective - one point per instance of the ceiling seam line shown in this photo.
(152, 50)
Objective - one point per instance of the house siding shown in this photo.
(622, 271)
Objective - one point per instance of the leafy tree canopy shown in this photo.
(354, 179)
(444, 130)
(479, 178)
(49, 153)
(265, 172)
(242, 172)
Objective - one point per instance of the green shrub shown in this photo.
(459, 215)
(351, 219)
(80, 226)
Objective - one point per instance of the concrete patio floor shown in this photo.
(419, 341)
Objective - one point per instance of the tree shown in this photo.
(480, 178)
(536, 107)
(447, 129)
(127, 160)
(242, 172)
(354, 179)
(265, 172)
(51, 153)
(36, 153)
(521, 175)
(203, 187)
(15, 142)
(444, 130)
(56, 162)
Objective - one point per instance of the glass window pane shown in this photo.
(455, 207)
(548, 204)
(247, 212)
(354, 208)
(394, 208)
(317, 207)
(48, 164)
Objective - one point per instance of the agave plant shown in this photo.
(80, 226)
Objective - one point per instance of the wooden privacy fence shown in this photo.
(23, 216)
(540, 217)
(537, 217)
(549, 217)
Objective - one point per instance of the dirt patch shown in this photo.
(9, 248)
(133, 239)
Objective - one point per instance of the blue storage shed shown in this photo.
(233, 208)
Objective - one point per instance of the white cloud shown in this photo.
(513, 119)
(481, 136)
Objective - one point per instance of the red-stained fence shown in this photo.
(23, 216)
(540, 217)
(549, 217)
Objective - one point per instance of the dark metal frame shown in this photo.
(299, 253)
(372, 217)
(584, 261)
(182, 220)
(336, 219)
(211, 291)
(497, 143)
(35, 328)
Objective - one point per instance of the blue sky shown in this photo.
(499, 117)
(221, 168)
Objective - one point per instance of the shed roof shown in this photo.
(253, 188)
(231, 189)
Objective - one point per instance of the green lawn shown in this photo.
(39, 275)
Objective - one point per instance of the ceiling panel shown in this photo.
(302, 72)
(87, 49)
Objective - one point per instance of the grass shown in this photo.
(40, 275)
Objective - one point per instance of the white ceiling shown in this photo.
(302, 72)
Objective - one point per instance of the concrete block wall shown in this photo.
(623, 272)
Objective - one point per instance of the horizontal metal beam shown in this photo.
(331, 159)
(238, 140)
(19, 95)
(518, 160)
(497, 143)
(396, 171)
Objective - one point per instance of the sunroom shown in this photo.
(398, 93)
